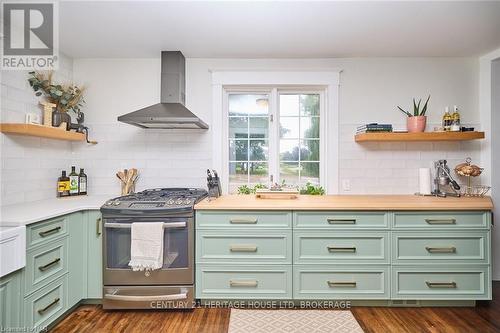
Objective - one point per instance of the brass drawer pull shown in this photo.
(243, 221)
(441, 221)
(341, 249)
(50, 264)
(49, 232)
(341, 284)
(341, 221)
(249, 283)
(441, 284)
(243, 248)
(54, 302)
(450, 249)
(98, 227)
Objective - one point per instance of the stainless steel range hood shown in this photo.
(170, 112)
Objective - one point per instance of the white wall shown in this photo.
(370, 90)
(30, 166)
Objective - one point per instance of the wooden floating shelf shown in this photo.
(41, 131)
(425, 136)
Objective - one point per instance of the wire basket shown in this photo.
(474, 190)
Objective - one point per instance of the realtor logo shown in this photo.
(30, 38)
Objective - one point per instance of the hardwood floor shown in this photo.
(484, 318)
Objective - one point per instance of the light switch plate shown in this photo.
(346, 185)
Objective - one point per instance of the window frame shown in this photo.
(258, 80)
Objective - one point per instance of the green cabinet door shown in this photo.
(77, 256)
(94, 254)
(10, 301)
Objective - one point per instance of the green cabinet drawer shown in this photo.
(340, 282)
(243, 281)
(340, 247)
(45, 264)
(243, 219)
(10, 301)
(441, 283)
(257, 246)
(340, 220)
(442, 220)
(46, 305)
(46, 231)
(440, 247)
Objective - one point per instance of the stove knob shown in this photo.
(178, 201)
(109, 203)
(187, 202)
(116, 203)
(170, 202)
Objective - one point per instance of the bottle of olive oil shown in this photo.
(73, 182)
(63, 185)
(82, 185)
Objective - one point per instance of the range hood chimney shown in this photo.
(170, 113)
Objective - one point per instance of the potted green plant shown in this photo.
(416, 122)
(65, 97)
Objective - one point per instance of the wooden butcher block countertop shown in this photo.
(346, 202)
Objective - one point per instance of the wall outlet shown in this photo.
(346, 185)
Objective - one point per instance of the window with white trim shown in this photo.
(274, 135)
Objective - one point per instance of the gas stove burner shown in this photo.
(159, 200)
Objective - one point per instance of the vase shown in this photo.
(59, 117)
(416, 124)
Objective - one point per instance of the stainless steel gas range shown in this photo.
(172, 286)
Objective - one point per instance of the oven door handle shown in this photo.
(146, 298)
(129, 225)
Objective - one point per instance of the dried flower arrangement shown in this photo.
(65, 97)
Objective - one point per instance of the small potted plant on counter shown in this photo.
(416, 122)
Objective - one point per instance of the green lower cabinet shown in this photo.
(94, 255)
(441, 282)
(46, 305)
(447, 220)
(341, 282)
(44, 264)
(11, 301)
(440, 247)
(243, 281)
(63, 267)
(230, 220)
(251, 246)
(341, 247)
(77, 257)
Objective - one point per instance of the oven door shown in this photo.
(177, 253)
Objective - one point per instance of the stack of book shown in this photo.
(374, 128)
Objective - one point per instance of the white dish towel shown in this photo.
(146, 246)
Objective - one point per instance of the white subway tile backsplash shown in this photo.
(392, 167)
(30, 166)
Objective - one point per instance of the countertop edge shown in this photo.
(348, 203)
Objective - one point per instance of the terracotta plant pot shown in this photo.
(416, 124)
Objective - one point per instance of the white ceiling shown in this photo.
(279, 29)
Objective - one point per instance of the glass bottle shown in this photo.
(455, 123)
(63, 185)
(73, 182)
(446, 119)
(82, 182)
